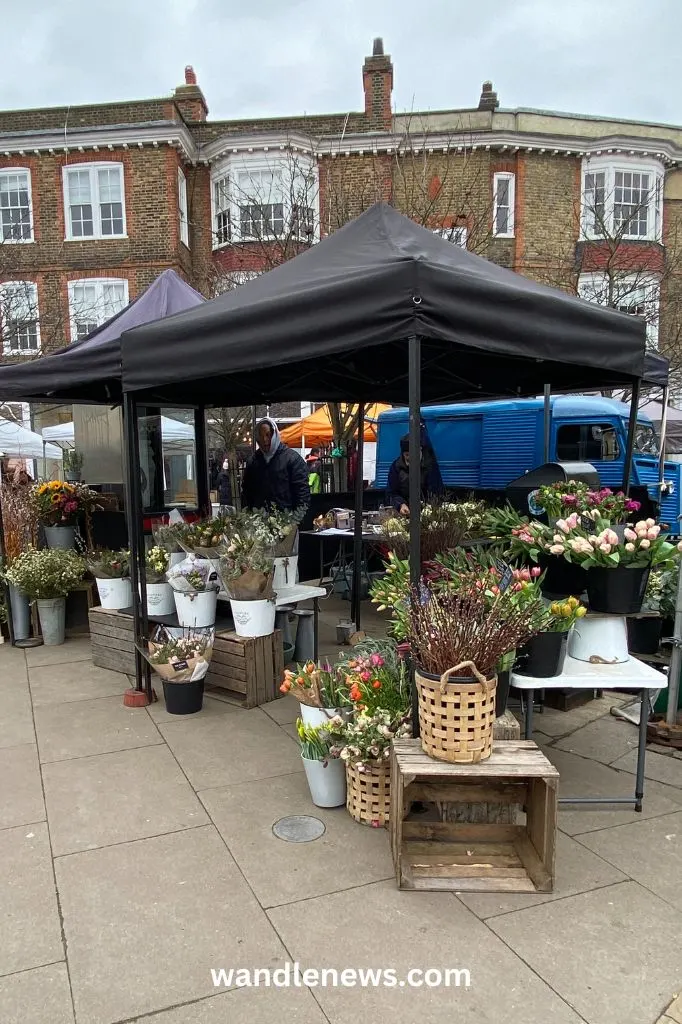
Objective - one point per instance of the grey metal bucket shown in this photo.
(52, 614)
(21, 614)
(62, 537)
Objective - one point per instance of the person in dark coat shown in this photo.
(276, 476)
(399, 477)
(224, 486)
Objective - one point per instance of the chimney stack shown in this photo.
(377, 81)
(189, 98)
(488, 100)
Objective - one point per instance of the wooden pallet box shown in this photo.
(482, 857)
(246, 671)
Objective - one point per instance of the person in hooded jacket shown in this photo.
(224, 485)
(276, 476)
(398, 484)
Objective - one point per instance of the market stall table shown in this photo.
(583, 675)
(341, 559)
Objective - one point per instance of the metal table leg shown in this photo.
(641, 749)
(316, 621)
(530, 698)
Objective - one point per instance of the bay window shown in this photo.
(636, 294)
(622, 198)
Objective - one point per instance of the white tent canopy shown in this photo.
(20, 443)
(173, 432)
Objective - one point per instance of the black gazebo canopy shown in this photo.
(89, 371)
(333, 322)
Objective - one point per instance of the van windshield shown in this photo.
(646, 440)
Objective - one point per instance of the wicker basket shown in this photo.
(456, 717)
(369, 793)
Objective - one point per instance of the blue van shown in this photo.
(485, 445)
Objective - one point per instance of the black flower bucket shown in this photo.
(543, 657)
(183, 698)
(617, 591)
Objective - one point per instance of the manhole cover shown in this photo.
(298, 828)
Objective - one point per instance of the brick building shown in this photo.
(95, 201)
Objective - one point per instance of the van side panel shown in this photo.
(508, 446)
(456, 440)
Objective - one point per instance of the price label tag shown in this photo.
(506, 574)
(180, 666)
(587, 523)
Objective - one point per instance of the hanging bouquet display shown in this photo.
(181, 657)
(111, 570)
(195, 589)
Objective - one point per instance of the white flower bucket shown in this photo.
(160, 599)
(286, 571)
(115, 594)
(321, 716)
(175, 557)
(52, 615)
(600, 639)
(253, 618)
(326, 781)
(196, 609)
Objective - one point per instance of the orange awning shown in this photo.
(317, 428)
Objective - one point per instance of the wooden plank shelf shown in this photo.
(474, 857)
(245, 671)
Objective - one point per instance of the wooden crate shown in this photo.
(484, 857)
(244, 670)
(506, 727)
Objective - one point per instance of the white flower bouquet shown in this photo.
(193, 576)
(180, 655)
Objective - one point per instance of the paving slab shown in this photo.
(211, 707)
(81, 728)
(41, 996)
(245, 1006)
(16, 717)
(583, 777)
(31, 936)
(13, 662)
(281, 872)
(577, 870)
(660, 767)
(648, 851)
(604, 740)
(226, 749)
(674, 1011)
(376, 926)
(70, 681)
(284, 710)
(76, 649)
(144, 923)
(116, 798)
(21, 792)
(614, 953)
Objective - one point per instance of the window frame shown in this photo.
(20, 241)
(292, 169)
(509, 176)
(6, 348)
(631, 284)
(92, 167)
(610, 166)
(183, 213)
(457, 235)
(100, 282)
(583, 440)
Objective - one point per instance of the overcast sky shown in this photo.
(278, 57)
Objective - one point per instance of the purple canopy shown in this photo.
(89, 371)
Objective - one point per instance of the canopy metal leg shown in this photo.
(357, 533)
(135, 526)
(414, 370)
(632, 426)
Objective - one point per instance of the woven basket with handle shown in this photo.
(456, 716)
(368, 792)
